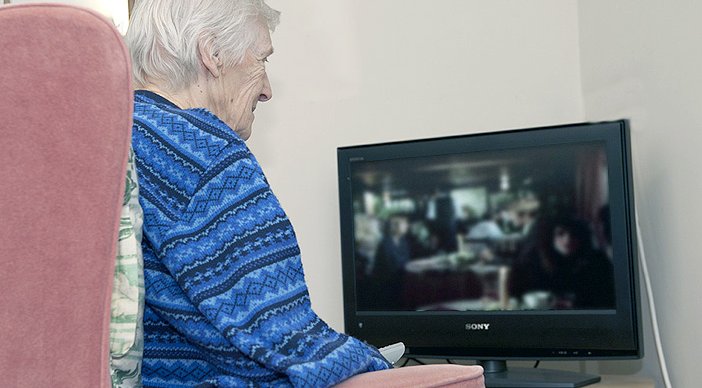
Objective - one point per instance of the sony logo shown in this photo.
(477, 326)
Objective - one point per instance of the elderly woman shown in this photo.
(226, 299)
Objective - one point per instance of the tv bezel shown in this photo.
(565, 334)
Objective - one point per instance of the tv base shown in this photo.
(497, 375)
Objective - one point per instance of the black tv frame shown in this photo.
(513, 335)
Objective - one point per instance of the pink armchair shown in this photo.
(424, 376)
(65, 123)
(65, 120)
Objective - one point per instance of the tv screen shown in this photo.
(512, 244)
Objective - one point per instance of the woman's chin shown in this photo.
(244, 134)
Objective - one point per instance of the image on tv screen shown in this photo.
(522, 229)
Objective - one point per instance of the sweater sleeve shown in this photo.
(234, 254)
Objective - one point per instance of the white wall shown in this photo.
(349, 72)
(642, 59)
(346, 72)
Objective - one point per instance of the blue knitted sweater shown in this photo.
(226, 299)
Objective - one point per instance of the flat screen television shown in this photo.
(508, 245)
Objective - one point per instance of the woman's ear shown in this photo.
(209, 59)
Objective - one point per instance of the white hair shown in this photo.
(163, 36)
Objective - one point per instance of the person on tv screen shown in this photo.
(226, 300)
(488, 228)
(565, 264)
(392, 255)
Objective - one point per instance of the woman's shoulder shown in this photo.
(193, 135)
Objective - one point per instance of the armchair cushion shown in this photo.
(422, 376)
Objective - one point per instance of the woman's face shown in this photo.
(564, 242)
(241, 87)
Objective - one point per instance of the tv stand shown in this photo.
(498, 375)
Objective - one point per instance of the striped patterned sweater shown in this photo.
(226, 299)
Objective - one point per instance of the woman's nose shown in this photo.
(266, 92)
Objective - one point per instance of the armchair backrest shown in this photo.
(65, 123)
